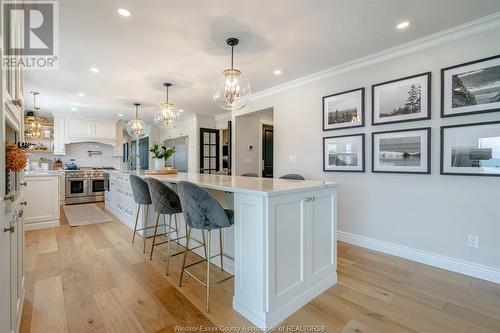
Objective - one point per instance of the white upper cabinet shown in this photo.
(106, 131)
(80, 130)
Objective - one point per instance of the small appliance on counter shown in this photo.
(58, 164)
(71, 165)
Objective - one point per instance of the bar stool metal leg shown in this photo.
(136, 220)
(221, 250)
(144, 226)
(188, 235)
(154, 237)
(168, 241)
(208, 267)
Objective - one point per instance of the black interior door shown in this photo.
(144, 152)
(133, 151)
(229, 146)
(209, 150)
(267, 151)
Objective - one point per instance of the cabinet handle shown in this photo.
(10, 197)
(17, 102)
(24, 184)
(11, 229)
(24, 203)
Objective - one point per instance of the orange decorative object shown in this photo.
(15, 158)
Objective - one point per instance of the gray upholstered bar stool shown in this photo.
(293, 176)
(166, 202)
(141, 195)
(202, 211)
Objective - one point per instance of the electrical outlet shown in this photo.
(473, 241)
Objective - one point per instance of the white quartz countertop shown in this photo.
(43, 173)
(253, 185)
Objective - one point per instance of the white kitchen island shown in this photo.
(283, 238)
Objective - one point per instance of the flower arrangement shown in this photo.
(161, 152)
(15, 159)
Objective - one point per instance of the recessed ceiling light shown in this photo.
(74, 109)
(81, 94)
(95, 69)
(403, 25)
(277, 72)
(120, 114)
(124, 12)
(181, 110)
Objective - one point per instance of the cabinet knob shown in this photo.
(24, 203)
(11, 229)
(24, 184)
(17, 102)
(21, 213)
(10, 197)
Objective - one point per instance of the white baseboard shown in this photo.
(41, 225)
(452, 264)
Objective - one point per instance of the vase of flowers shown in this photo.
(160, 154)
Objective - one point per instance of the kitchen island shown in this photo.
(283, 240)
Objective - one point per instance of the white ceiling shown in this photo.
(183, 41)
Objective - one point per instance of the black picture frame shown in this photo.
(429, 99)
(443, 73)
(363, 152)
(428, 148)
(342, 93)
(441, 151)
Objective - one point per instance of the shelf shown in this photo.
(37, 139)
(38, 151)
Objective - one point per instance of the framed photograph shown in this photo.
(473, 87)
(344, 110)
(405, 151)
(471, 149)
(344, 153)
(401, 100)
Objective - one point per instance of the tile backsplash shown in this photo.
(80, 152)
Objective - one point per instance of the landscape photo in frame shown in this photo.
(344, 153)
(470, 88)
(403, 151)
(344, 110)
(402, 100)
(471, 149)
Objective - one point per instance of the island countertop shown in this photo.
(238, 184)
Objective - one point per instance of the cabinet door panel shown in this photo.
(76, 128)
(322, 236)
(42, 207)
(105, 131)
(288, 218)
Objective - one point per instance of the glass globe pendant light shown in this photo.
(136, 127)
(33, 122)
(232, 91)
(168, 113)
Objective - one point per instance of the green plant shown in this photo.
(161, 152)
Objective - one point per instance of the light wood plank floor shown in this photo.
(93, 279)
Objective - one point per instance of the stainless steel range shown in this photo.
(84, 185)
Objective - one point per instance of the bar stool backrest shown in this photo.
(293, 176)
(201, 210)
(140, 190)
(165, 200)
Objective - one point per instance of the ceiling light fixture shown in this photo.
(124, 12)
(277, 72)
(95, 70)
(168, 112)
(136, 127)
(120, 115)
(403, 25)
(33, 123)
(232, 92)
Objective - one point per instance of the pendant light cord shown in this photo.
(136, 111)
(232, 56)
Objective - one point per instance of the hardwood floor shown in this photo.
(93, 279)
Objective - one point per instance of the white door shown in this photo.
(79, 129)
(106, 131)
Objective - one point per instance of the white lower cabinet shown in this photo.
(42, 195)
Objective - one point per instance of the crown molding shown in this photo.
(461, 31)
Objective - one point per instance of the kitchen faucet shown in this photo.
(138, 168)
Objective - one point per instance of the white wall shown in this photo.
(248, 131)
(431, 213)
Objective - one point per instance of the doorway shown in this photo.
(267, 150)
(209, 150)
